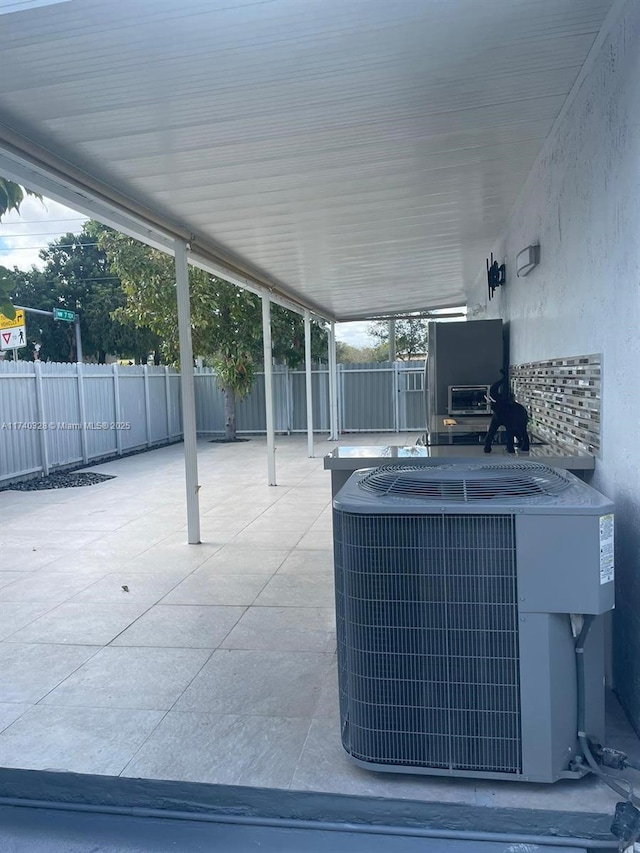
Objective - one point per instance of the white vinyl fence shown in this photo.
(58, 415)
(378, 397)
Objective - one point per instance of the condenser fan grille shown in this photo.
(466, 484)
(428, 654)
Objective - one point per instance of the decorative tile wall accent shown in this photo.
(563, 397)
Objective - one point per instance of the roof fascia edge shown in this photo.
(402, 314)
(23, 162)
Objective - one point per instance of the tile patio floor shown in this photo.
(218, 663)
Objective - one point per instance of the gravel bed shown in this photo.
(60, 480)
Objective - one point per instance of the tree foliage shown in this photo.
(11, 197)
(76, 276)
(349, 354)
(411, 337)
(226, 321)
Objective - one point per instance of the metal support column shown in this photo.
(268, 390)
(188, 393)
(333, 385)
(44, 449)
(309, 385)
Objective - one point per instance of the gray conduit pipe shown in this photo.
(322, 826)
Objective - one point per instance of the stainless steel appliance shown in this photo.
(469, 400)
(460, 354)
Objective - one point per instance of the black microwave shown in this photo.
(469, 400)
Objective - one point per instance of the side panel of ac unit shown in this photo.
(548, 693)
(560, 563)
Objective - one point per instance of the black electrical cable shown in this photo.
(582, 734)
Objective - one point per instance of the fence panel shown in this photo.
(372, 398)
(250, 411)
(21, 447)
(209, 402)
(175, 409)
(132, 407)
(319, 394)
(366, 397)
(158, 427)
(61, 402)
(411, 409)
(99, 409)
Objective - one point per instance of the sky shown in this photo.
(24, 234)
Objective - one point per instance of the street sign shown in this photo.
(13, 338)
(18, 320)
(63, 314)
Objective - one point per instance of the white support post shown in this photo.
(167, 397)
(268, 389)
(188, 394)
(116, 406)
(83, 413)
(308, 378)
(44, 449)
(396, 395)
(147, 403)
(333, 385)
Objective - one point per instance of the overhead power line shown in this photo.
(29, 234)
(47, 246)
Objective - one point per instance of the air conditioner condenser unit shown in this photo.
(460, 590)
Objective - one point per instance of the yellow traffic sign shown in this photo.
(18, 320)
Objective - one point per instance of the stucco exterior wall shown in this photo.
(581, 203)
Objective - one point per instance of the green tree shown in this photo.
(348, 354)
(11, 197)
(76, 276)
(411, 337)
(226, 321)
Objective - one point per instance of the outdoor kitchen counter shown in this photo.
(343, 461)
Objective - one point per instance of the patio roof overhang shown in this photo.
(354, 159)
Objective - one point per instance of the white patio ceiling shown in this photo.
(360, 156)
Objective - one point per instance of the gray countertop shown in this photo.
(350, 458)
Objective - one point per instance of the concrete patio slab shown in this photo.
(295, 629)
(266, 683)
(223, 652)
(51, 587)
(181, 626)
(10, 712)
(224, 749)
(15, 615)
(81, 624)
(137, 678)
(203, 587)
(30, 671)
(236, 560)
(302, 590)
(78, 740)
